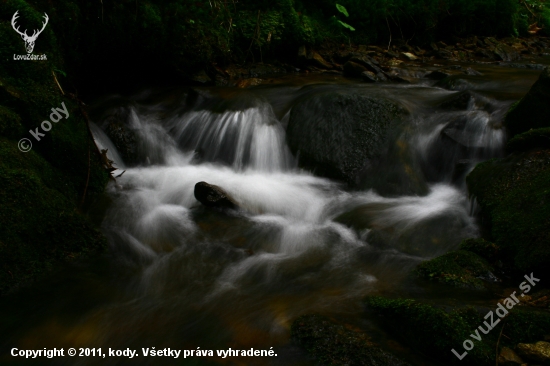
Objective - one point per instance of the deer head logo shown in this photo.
(29, 40)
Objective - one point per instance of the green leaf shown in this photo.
(342, 10)
(60, 71)
(346, 25)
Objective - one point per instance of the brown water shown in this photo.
(178, 275)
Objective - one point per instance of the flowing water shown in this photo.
(182, 276)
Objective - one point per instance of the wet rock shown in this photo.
(202, 77)
(483, 53)
(337, 134)
(330, 343)
(409, 56)
(533, 109)
(353, 69)
(124, 137)
(444, 53)
(506, 53)
(470, 71)
(246, 83)
(432, 330)
(368, 77)
(458, 101)
(526, 66)
(481, 247)
(213, 196)
(508, 357)
(437, 75)
(490, 41)
(513, 195)
(461, 269)
(369, 63)
(312, 58)
(530, 140)
(318, 61)
(538, 353)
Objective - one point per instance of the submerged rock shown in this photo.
(533, 109)
(214, 196)
(338, 134)
(333, 344)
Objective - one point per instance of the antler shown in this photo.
(37, 32)
(15, 16)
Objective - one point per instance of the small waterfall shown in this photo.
(251, 138)
(451, 143)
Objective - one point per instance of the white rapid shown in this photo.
(298, 244)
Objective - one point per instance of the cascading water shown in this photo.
(188, 276)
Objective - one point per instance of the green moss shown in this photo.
(435, 331)
(333, 344)
(460, 269)
(431, 330)
(10, 123)
(481, 247)
(530, 140)
(40, 190)
(514, 194)
(533, 109)
(40, 225)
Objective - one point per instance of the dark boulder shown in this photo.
(533, 109)
(530, 140)
(338, 134)
(515, 205)
(333, 344)
(353, 69)
(118, 128)
(506, 53)
(213, 196)
(462, 269)
(437, 75)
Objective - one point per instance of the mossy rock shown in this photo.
(514, 194)
(40, 225)
(481, 247)
(435, 331)
(533, 109)
(338, 134)
(530, 140)
(330, 343)
(459, 269)
(431, 330)
(10, 123)
(40, 190)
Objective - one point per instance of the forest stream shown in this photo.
(181, 275)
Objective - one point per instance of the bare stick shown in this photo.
(388, 23)
(498, 342)
(57, 82)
